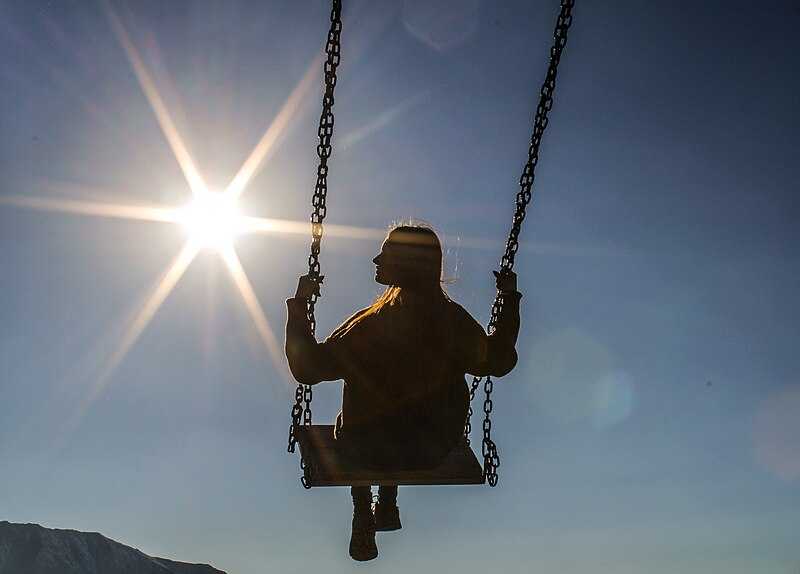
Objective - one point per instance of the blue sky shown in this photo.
(660, 254)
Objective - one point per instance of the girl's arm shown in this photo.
(495, 354)
(309, 361)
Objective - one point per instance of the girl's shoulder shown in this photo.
(357, 322)
(461, 318)
(458, 313)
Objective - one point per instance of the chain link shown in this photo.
(491, 459)
(301, 410)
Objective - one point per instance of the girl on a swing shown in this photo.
(403, 361)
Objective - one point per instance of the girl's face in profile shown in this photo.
(405, 258)
(390, 262)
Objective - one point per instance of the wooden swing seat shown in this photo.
(330, 468)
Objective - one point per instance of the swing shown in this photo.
(321, 461)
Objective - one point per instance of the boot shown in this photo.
(362, 536)
(387, 515)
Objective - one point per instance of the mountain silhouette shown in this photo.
(33, 549)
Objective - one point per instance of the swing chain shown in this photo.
(491, 459)
(301, 410)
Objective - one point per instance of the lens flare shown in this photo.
(614, 399)
(776, 433)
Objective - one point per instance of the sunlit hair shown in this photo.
(427, 267)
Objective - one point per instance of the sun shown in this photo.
(212, 220)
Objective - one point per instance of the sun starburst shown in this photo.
(212, 219)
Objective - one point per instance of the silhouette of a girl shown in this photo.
(403, 361)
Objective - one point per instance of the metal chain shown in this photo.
(303, 394)
(491, 460)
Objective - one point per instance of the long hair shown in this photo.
(428, 272)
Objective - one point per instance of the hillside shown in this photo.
(33, 549)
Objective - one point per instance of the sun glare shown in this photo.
(212, 221)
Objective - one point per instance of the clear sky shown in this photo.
(653, 421)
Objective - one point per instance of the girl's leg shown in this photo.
(362, 536)
(387, 515)
(388, 495)
(362, 497)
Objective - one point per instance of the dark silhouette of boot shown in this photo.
(362, 537)
(387, 516)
